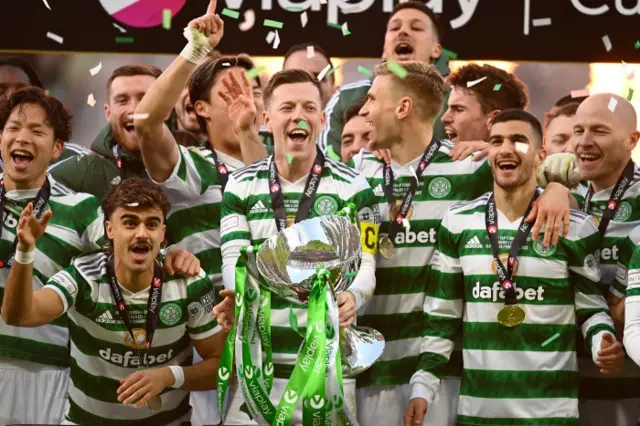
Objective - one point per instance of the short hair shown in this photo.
(354, 110)
(18, 62)
(135, 194)
(58, 117)
(520, 115)
(423, 83)
(422, 7)
(302, 47)
(511, 94)
(289, 77)
(133, 70)
(206, 74)
(567, 110)
(568, 99)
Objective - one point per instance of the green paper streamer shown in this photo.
(166, 19)
(231, 13)
(272, 24)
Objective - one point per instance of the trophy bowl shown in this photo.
(287, 264)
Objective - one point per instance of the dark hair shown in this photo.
(289, 77)
(206, 74)
(520, 115)
(18, 62)
(511, 94)
(132, 71)
(422, 7)
(142, 193)
(354, 110)
(568, 99)
(58, 117)
(302, 47)
(568, 110)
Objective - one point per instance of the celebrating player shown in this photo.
(131, 326)
(516, 303)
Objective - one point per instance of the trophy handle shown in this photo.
(360, 348)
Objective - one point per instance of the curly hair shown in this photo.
(135, 194)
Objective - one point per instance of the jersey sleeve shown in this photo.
(234, 230)
(191, 177)
(592, 311)
(92, 231)
(73, 172)
(67, 284)
(443, 306)
(632, 308)
(201, 323)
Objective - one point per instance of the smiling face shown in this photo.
(379, 113)
(28, 145)
(410, 36)
(355, 136)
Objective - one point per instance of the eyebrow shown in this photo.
(31, 124)
(136, 217)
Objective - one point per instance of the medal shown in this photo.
(511, 316)
(387, 250)
(154, 404)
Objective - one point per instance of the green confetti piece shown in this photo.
(630, 94)
(331, 71)
(289, 158)
(345, 31)
(166, 19)
(497, 87)
(397, 69)
(637, 45)
(124, 40)
(48, 93)
(333, 25)
(254, 72)
(550, 339)
(350, 275)
(295, 9)
(272, 24)
(302, 124)
(449, 54)
(365, 71)
(231, 13)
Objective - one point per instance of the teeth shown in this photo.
(589, 156)
(507, 163)
(23, 153)
(297, 133)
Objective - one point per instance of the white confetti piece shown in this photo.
(141, 116)
(91, 100)
(55, 37)
(122, 30)
(580, 93)
(249, 20)
(46, 4)
(413, 172)
(541, 22)
(324, 72)
(323, 1)
(270, 37)
(276, 42)
(304, 19)
(522, 147)
(613, 102)
(406, 224)
(607, 43)
(310, 52)
(95, 70)
(134, 204)
(345, 29)
(474, 82)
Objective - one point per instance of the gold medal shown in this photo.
(387, 250)
(511, 316)
(155, 403)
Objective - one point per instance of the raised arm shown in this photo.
(157, 144)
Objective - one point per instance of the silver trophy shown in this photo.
(287, 264)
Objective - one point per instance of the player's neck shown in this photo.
(513, 202)
(297, 168)
(35, 183)
(609, 179)
(134, 281)
(414, 141)
(230, 148)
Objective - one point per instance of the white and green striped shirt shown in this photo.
(76, 227)
(401, 282)
(102, 351)
(195, 194)
(511, 376)
(248, 219)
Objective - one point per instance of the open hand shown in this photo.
(30, 228)
(462, 150)
(238, 95)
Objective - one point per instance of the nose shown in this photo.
(364, 111)
(141, 232)
(447, 117)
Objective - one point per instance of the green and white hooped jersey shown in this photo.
(195, 193)
(103, 353)
(396, 307)
(248, 219)
(76, 227)
(615, 253)
(523, 375)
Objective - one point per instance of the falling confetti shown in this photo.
(124, 40)
(254, 72)
(613, 102)
(122, 30)
(550, 339)
(637, 45)
(272, 24)
(497, 87)
(46, 4)
(276, 42)
(55, 37)
(324, 72)
(271, 36)
(331, 71)
(542, 22)
(345, 30)
(630, 94)
(449, 54)
(334, 25)
(304, 19)
(166, 19)
(406, 224)
(133, 204)
(310, 52)
(289, 158)
(303, 124)
(95, 70)
(397, 69)
(580, 93)
(364, 71)
(47, 92)
(234, 14)
(607, 43)
(249, 20)
(140, 116)
(91, 100)
(474, 82)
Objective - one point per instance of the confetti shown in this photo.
(474, 82)
(334, 25)
(122, 30)
(276, 42)
(289, 158)
(406, 224)
(522, 147)
(46, 4)
(231, 13)
(550, 339)
(91, 100)
(124, 40)
(323, 1)
(580, 93)
(397, 69)
(449, 54)
(607, 43)
(364, 71)
(140, 116)
(55, 37)
(332, 70)
(630, 94)
(310, 52)
(166, 19)
(350, 275)
(302, 124)
(324, 72)
(304, 19)
(637, 45)
(345, 30)
(613, 102)
(254, 72)
(95, 70)
(271, 36)
(272, 24)
(497, 87)
(542, 22)
(295, 9)
(134, 204)
(249, 20)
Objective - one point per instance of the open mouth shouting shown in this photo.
(507, 165)
(404, 51)
(451, 134)
(140, 251)
(298, 136)
(21, 158)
